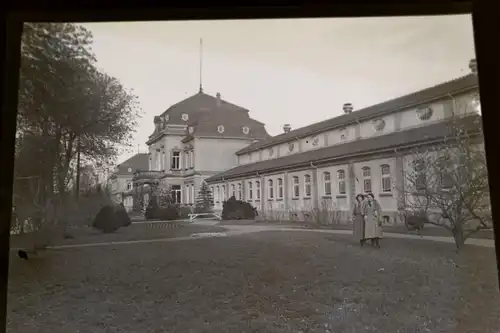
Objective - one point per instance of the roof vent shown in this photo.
(347, 108)
(218, 99)
(473, 66)
(287, 128)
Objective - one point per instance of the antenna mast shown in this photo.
(201, 65)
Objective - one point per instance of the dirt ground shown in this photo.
(262, 282)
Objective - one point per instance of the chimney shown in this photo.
(347, 108)
(473, 66)
(218, 99)
(287, 128)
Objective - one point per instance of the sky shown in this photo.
(296, 71)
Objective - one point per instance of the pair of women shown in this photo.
(367, 222)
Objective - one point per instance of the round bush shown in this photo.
(170, 212)
(107, 220)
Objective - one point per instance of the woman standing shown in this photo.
(373, 222)
(358, 221)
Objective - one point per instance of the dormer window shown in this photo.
(220, 129)
(246, 130)
(191, 129)
(185, 117)
(424, 113)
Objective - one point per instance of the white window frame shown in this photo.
(295, 187)
(270, 189)
(175, 163)
(193, 193)
(341, 182)
(233, 191)
(367, 179)
(240, 194)
(217, 195)
(177, 194)
(385, 177)
(280, 188)
(307, 186)
(223, 193)
(250, 191)
(327, 180)
(257, 190)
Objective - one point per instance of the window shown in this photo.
(296, 187)
(233, 190)
(257, 190)
(421, 179)
(386, 178)
(212, 194)
(223, 192)
(162, 161)
(327, 183)
(307, 185)
(250, 191)
(280, 188)
(270, 187)
(239, 192)
(193, 193)
(341, 181)
(157, 160)
(176, 160)
(217, 194)
(187, 192)
(445, 176)
(129, 185)
(176, 194)
(367, 180)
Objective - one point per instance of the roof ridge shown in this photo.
(295, 132)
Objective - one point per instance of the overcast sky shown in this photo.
(283, 71)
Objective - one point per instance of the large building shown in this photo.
(321, 167)
(195, 139)
(120, 183)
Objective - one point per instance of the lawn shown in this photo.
(262, 282)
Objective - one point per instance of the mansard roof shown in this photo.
(205, 113)
(461, 84)
(136, 162)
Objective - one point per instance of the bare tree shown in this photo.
(446, 184)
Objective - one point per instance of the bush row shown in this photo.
(233, 209)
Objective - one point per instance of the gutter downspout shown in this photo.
(454, 105)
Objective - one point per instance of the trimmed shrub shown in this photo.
(171, 212)
(121, 214)
(184, 211)
(416, 221)
(152, 210)
(107, 220)
(233, 209)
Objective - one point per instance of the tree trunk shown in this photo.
(458, 235)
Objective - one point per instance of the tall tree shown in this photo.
(65, 100)
(205, 200)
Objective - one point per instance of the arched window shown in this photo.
(250, 191)
(257, 190)
(446, 180)
(327, 183)
(280, 188)
(296, 187)
(341, 181)
(367, 180)
(307, 185)
(385, 171)
(270, 189)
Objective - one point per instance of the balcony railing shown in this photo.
(148, 174)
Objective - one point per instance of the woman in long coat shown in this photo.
(373, 222)
(358, 221)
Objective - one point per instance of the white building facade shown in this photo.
(315, 172)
